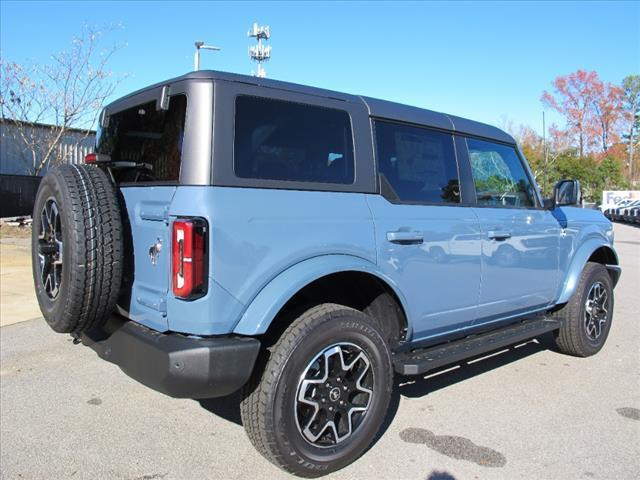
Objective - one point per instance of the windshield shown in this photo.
(145, 144)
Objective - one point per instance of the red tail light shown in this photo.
(189, 258)
(96, 158)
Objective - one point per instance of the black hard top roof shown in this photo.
(376, 107)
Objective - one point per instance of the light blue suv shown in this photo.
(303, 245)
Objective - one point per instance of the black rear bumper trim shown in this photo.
(174, 364)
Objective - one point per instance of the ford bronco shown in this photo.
(302, 246)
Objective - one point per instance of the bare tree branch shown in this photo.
(67, 93)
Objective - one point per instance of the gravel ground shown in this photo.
(523, 413)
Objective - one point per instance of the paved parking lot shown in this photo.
(527, 412)
(17, 295)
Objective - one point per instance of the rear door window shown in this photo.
(147, 142)
(418, 164)
(279, 140)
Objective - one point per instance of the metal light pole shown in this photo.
(260, 53)
(196, 57)
(544, 151)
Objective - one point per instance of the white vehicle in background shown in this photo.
(630, 213)
(619, 212)
(617, 199)
(610, 210)
(633, 215)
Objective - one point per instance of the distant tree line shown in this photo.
(599, 143)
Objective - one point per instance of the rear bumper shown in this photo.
(176, 365)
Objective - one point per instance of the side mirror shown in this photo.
(567, 193)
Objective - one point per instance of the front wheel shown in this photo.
(323, 394)
(588, 314)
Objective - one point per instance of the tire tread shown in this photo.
(97, 252)
(569, 338)
(258, 393)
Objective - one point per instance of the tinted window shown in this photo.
(498, 175)
(277, 140)
(150, 138)
(419, 164)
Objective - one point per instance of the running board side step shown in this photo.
(422, 360)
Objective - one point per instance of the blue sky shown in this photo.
(483, 60)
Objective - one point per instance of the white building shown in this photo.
(16, 158)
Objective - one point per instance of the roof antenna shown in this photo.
(196, 58)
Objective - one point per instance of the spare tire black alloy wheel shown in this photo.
(50, 248)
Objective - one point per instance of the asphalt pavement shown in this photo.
(527, 412)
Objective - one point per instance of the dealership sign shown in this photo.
(611, 197)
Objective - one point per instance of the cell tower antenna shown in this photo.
(260, 52)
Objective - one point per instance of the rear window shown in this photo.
(278, 140)
(419, 164)
(148, 140)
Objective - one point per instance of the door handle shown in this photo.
(498, 234)
(404, 237)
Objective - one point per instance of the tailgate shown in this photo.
(149, 255)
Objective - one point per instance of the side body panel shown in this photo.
(585, 231)
(439, 274)
(261, 311)
(519, 272)
(255, 235)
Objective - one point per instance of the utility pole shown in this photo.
(260, 52)
(196, 58)
(544, 151)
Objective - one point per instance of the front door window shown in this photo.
(498, 175)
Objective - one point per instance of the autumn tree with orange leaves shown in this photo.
(592, 109)
(599, 139)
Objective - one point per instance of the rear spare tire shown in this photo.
(76, 248)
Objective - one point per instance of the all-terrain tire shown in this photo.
(270, 401)
(574, 338)
(76, 248)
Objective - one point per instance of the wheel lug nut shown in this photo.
(324, 400)
(344, 388)
(331, 409)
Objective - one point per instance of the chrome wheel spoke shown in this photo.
(597, 328)
(589, 306)
(334, 394)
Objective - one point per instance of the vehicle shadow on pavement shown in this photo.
(228, 407)
(224, 407)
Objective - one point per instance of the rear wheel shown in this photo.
(588, 314)
(76, 248)
(323, 393)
